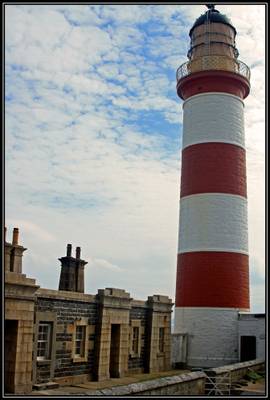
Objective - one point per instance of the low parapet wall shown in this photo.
(237, 371)
(191, 383)
(220, 379)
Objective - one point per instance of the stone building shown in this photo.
(66, 336)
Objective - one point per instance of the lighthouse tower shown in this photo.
(212, 268)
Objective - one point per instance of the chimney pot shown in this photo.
(78, 252)
(69, 249)
(15, 239)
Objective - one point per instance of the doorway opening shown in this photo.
(115, 351)
(248, 348)
(11, 333)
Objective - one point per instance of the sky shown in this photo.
(93, 136)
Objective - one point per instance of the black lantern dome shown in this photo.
(212, 15)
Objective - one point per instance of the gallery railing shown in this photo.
(214, 62)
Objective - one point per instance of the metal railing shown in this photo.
(214, 62)
(218, 385)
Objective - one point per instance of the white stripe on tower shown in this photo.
(213, 117)
(213, 222)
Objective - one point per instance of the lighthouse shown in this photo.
(212, 284)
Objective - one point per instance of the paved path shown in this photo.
(252, 389)
(257, 388)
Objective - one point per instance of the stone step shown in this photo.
(45, 385)
(242, 382)
(52, 385)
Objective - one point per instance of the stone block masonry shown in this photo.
(68, 337)
(108, 319)
(192, 383)
(67, 312)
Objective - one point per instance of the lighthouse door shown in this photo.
(248, 348)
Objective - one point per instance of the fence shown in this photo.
(214, 62)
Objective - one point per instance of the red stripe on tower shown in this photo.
(213, 168)
(212, 279)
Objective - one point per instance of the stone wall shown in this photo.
(109, 319)
(186, 384)
(67, 312)
(19, 316)
(159, 317)
(192, 383)
(237, 370)
(70, 337)
(114, 308)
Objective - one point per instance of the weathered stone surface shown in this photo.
(111, 309)
(190, 383)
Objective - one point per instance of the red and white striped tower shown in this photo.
(212, 268)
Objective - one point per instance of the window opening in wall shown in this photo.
(80, 341)
(12, 257)
(135, 340)
(161, 340)
(44, 341)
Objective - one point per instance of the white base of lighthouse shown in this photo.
(212, 335)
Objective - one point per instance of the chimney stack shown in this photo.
(13, 253)
(72, 271)
(69, 250)
(78, 253)
(15, 238)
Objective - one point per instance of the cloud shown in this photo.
(100, 263)
(93, 137)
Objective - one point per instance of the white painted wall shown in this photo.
(249, 325)
(212, 335)
(213, 117)
(213, 222)
(179, 348)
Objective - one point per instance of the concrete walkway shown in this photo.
(253, 389)
(84, 388)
